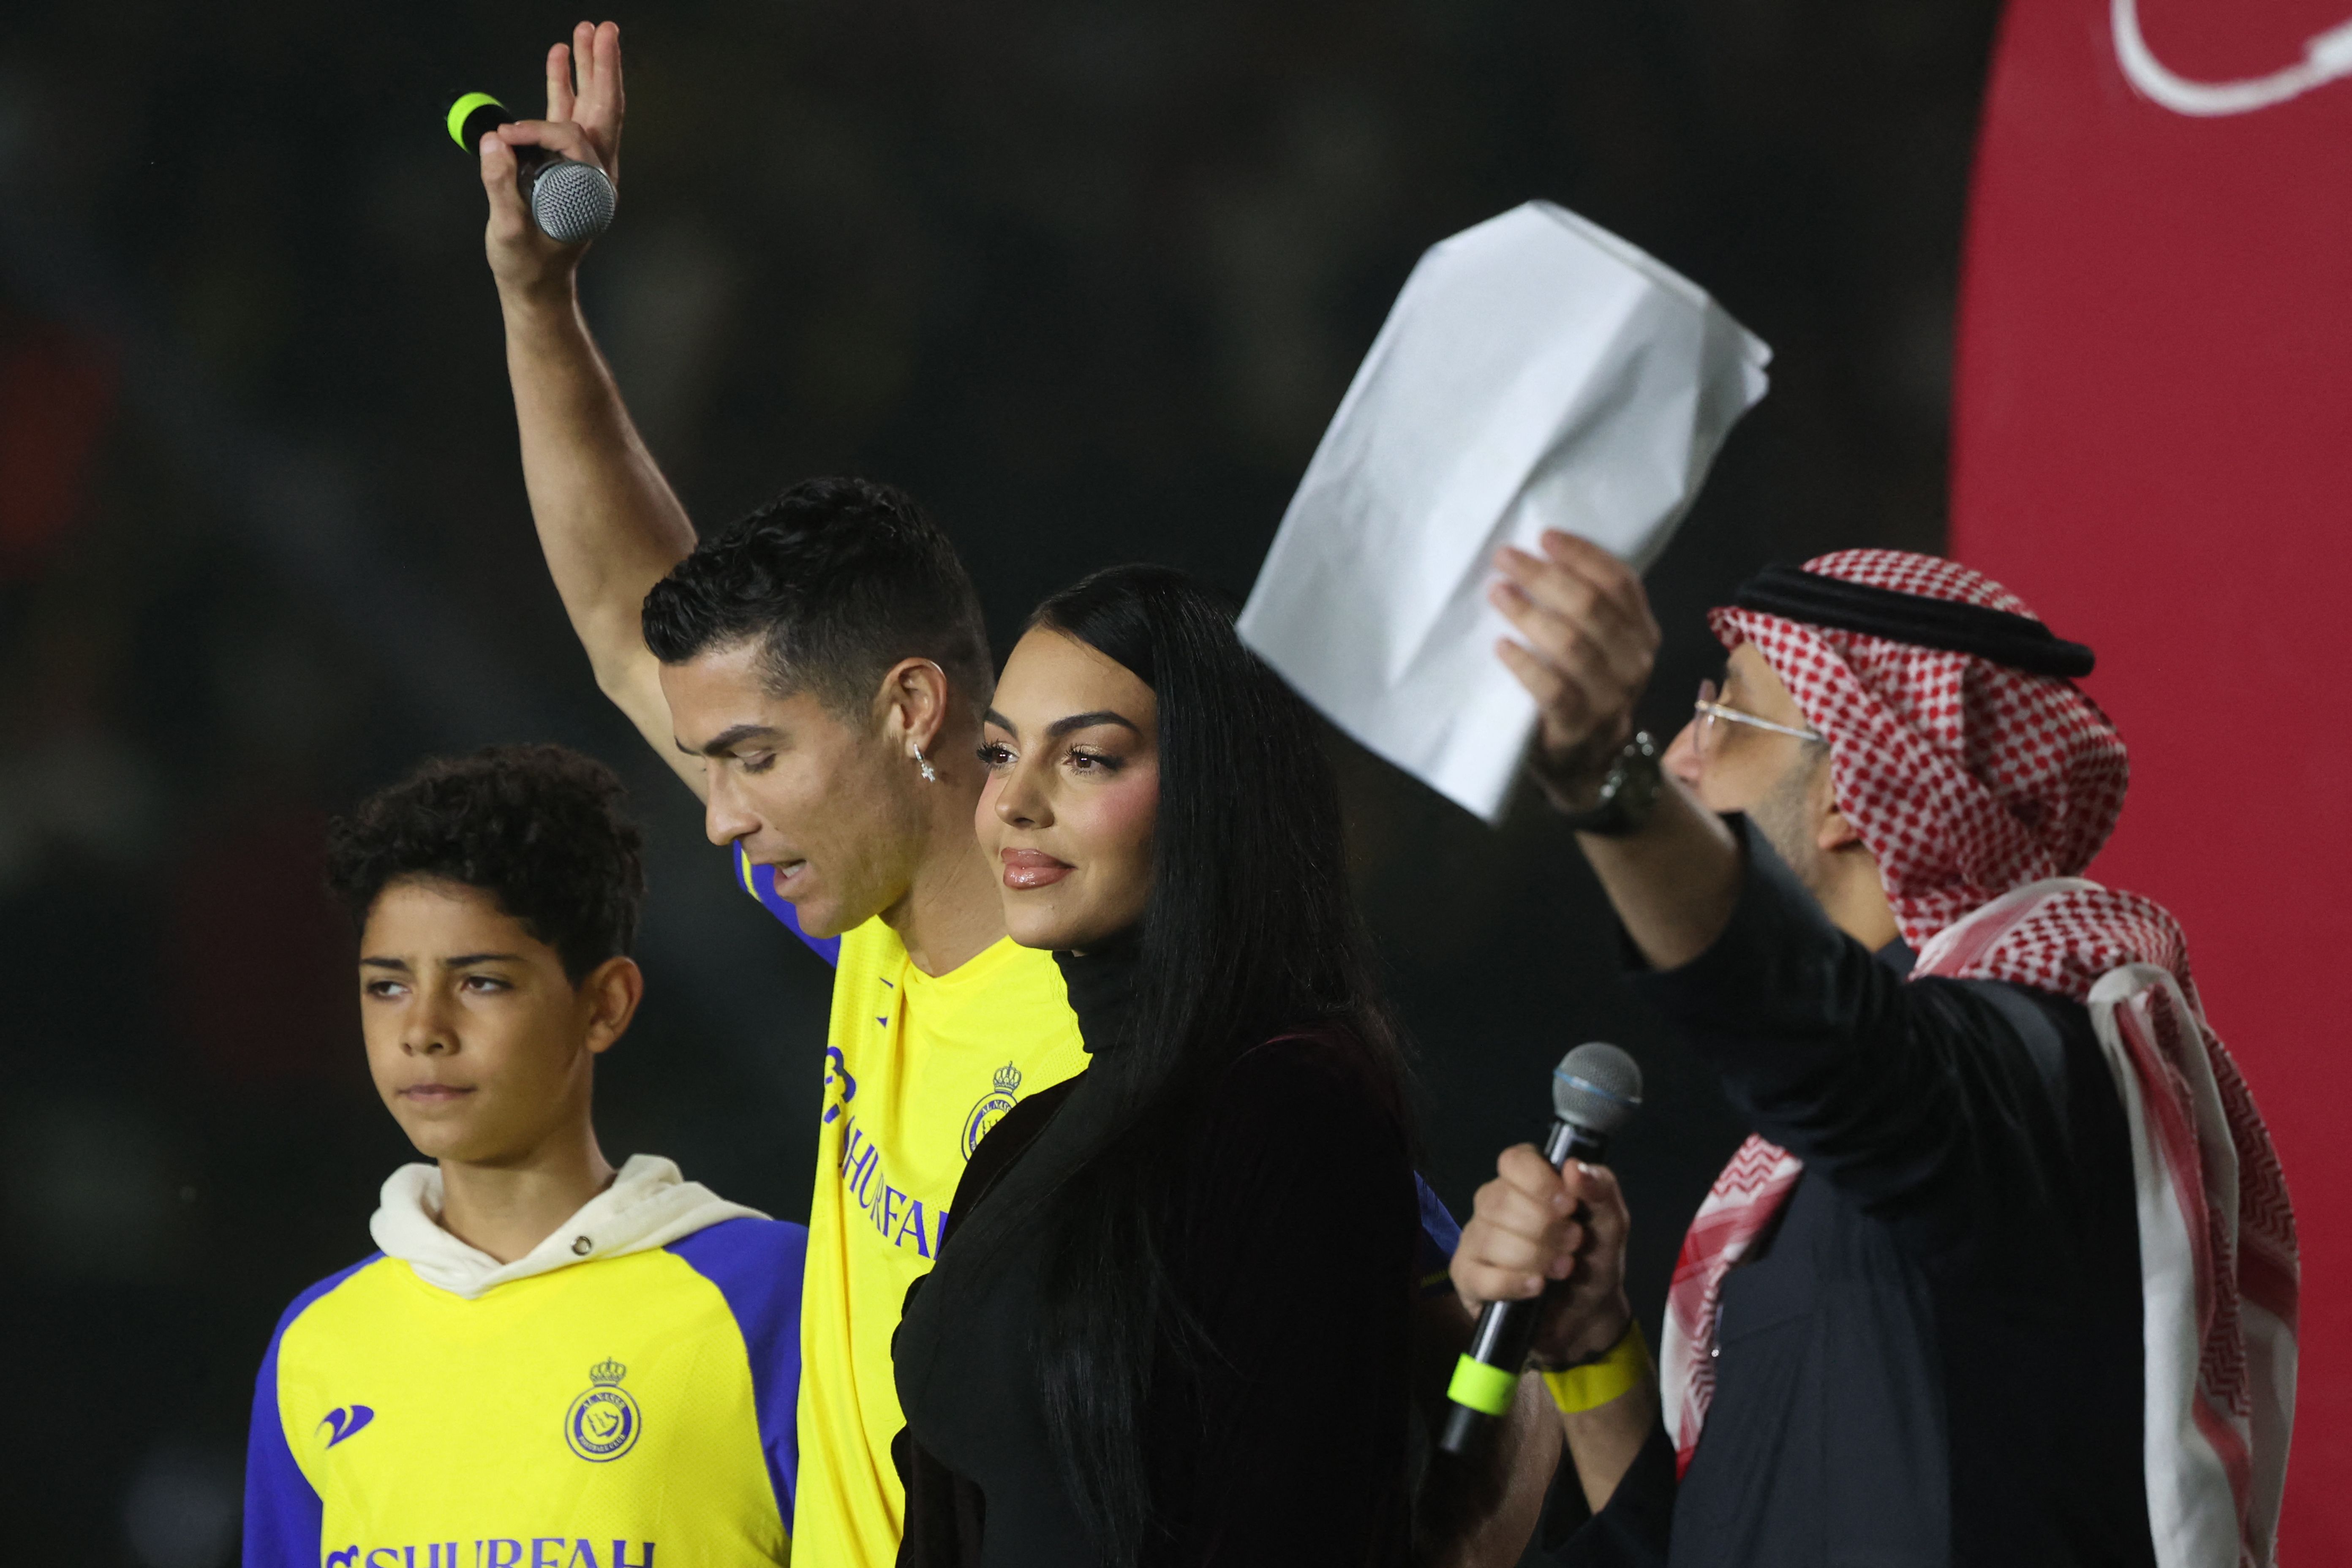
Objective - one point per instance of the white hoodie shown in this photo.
(649, 1205)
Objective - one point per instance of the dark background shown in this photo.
(1087, 277)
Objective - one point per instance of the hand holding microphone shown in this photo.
(1543, 1257)
(552, 182)
(571, 199)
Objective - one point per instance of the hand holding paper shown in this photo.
(1536, 372)
(1585, 646)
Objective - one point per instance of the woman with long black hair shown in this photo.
(1171, 1323)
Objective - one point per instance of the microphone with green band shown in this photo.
(1595, 1088)
(573, 202)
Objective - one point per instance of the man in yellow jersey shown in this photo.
(826, 707)
(816, 674)
(848, 803)
(550, 1362)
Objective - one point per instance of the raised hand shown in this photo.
(1589, 643)
(1532, 1225)
(584, 109)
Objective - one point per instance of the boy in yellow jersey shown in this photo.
(816, 674)
(549, 1361)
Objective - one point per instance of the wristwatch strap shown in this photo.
(1628, 794)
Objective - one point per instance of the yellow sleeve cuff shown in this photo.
(1588, 1387)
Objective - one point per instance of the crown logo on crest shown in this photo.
(608, 1372)
(1008, 1078)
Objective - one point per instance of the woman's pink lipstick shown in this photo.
(1029, 868)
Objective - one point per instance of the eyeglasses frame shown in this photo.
(1707, 708)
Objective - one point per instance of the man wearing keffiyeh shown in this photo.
(2007, 1274)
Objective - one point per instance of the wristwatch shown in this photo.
(1628, 794)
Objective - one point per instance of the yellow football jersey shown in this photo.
(588, 1417)
(917, 1068)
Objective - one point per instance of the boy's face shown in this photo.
(480, 1045)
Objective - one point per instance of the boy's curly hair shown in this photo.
(540, 828)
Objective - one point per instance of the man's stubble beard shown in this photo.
(1785, 817)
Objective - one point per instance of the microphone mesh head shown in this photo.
(573, 202)
(1596, 1086)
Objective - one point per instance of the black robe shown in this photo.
(1935, 1357)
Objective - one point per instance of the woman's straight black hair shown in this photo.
(1249, 932)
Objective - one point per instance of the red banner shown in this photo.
(2153, 445)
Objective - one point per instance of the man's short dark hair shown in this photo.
(837, 579)
(540, 828)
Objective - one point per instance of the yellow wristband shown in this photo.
(1588, 1387)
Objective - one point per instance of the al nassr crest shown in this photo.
(603, 1423)
(1001, 1093)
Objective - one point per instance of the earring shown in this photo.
(930, 773)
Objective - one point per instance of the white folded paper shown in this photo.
(1536, 372)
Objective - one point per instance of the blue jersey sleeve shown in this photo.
(759, 881)
(283, 1516)
(756, 1264)
(1439, 1236)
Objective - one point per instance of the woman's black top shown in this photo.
(1291, 1245)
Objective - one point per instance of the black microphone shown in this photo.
(1594, 1089)
(573, 202)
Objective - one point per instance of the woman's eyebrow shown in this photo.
(1002, 722)
(1061, 727)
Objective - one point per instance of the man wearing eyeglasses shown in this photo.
(2007, 1274)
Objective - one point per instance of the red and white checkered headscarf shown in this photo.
(1964, 778)
(1982, 791)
